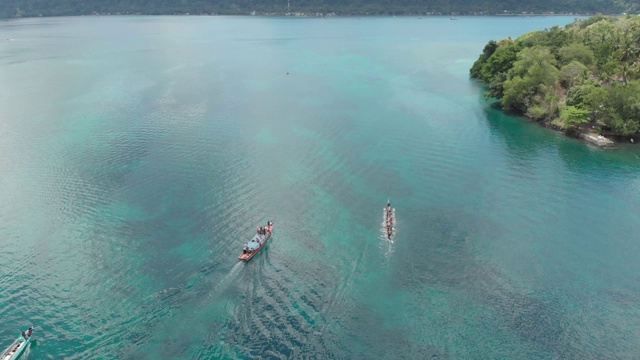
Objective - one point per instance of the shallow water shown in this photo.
(138, 154)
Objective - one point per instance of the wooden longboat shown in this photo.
(16, 349)
(389, 220)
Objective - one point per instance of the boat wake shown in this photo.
(387, 247)
(227, 280)
(25, 354)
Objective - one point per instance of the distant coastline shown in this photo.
(308, 14)
(317, 8)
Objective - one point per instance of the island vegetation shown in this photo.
(31, 8)
(582, 78)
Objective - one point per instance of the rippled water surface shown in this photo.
(138, 154)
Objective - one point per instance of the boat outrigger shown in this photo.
(257, 242)
(15, 350)
(389, 220)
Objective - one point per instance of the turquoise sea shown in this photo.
(138, 154)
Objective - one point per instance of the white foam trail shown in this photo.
(386, 244)
(224, 283)
(25, 354)
(388, 249)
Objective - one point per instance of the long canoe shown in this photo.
(15, 350)
(389, 220)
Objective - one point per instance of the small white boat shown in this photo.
(15, 350)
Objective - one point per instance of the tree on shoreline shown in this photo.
(585, 73)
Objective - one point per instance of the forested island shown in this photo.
(31, 8)
(583, 78)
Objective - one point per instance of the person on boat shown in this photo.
(245, 249)
(30, 331)
(24, 336)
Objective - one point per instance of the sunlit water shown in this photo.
(138, 154)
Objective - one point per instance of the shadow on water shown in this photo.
(583, 158)
(526, 139)
(531, 148)
(522, 138)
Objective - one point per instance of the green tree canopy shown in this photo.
(573, 116)
(489, 49)
(598, 80)
(576, 52)
(537, 63)
(500, 61)
(573, 73)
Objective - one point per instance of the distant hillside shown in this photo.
(31, 8)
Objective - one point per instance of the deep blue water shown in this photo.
(138, 154)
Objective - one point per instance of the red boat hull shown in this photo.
(248, 256)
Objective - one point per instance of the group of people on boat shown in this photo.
(263, 230)
(26, 335)
(249, 247)
(15, 348)
(389, 221)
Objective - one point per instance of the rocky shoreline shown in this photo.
(586, 134)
